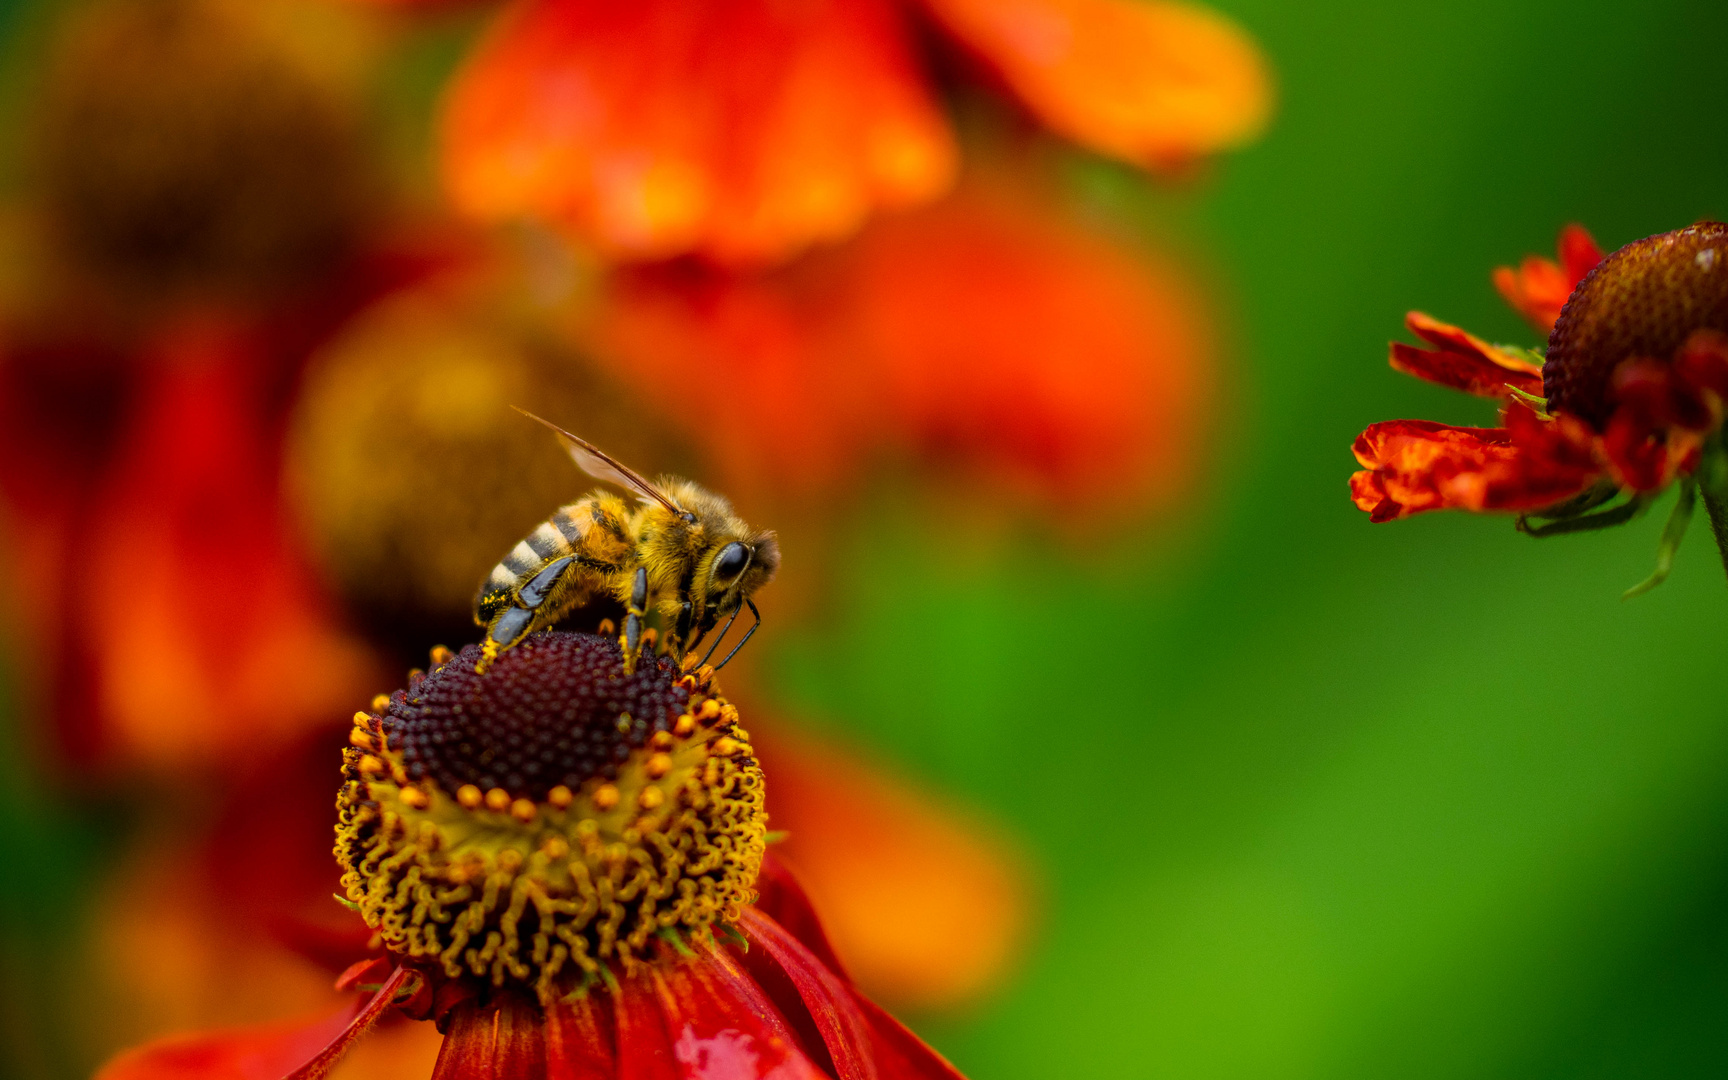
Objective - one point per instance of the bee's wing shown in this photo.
(603, 466)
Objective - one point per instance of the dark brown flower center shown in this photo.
(557, 710)
(1644, 300)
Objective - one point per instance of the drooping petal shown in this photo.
(928, 905)
(723, 1026)
(781, 897)
(299, 1051)
(742, 132)
(780, 961)
(863, 1040)
(1154, 83)
(983, 337)
(1411, 466)
(1538, 289)
(1463, 361)
(500, 1040)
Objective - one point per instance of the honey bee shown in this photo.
(681, 553)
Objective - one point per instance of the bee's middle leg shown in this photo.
(633, 616)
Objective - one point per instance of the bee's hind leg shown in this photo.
(633, 616)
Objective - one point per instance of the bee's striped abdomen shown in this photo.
(552, 539)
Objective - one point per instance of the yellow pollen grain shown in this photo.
(398, 774)
(725, 746)
(498, 799)
(605, 797)
(684, 725)
(560, 797)
(658, 765)
(705, 674)
(650, 798)
(413, 796)
(555, 847)
(381, 703)
(661, 740)
(710, 709)
(729, 713)
(523, 810)
(442, 655)
(605, 629)
(361, 739)
(371, 766)
(469, 796)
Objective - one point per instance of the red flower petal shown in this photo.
(1539, 288)
(1416, 465)
(644, 1049)
(1462, 361)
(501, 1040)
(862, 1039)
(723, 1026)
(780, 897)
(303, 1051)
(743, 131)
(1155, 83)
(827, 998)
(581, 1040)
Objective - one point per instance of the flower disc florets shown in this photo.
(549, 818)
(1643, 301)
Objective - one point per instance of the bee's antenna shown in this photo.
(743, 639)
(724, 630)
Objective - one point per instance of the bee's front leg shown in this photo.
(633, 616)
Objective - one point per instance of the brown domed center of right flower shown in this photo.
(1642, 301)
(549, 818)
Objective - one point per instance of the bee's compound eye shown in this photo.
(731, 561)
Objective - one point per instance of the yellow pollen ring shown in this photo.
(548, 895)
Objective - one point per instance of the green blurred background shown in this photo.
(1310, 797)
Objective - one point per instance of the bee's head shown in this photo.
(732, 560)
(740, 566)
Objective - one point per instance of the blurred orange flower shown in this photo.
(985, 333)
(748, 131)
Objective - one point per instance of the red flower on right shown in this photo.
(1627, 399)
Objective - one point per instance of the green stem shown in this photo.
(1713, 485)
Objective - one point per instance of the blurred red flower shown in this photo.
(746, 132)
(984, 334)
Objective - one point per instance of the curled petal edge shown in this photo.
(1463, 361)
